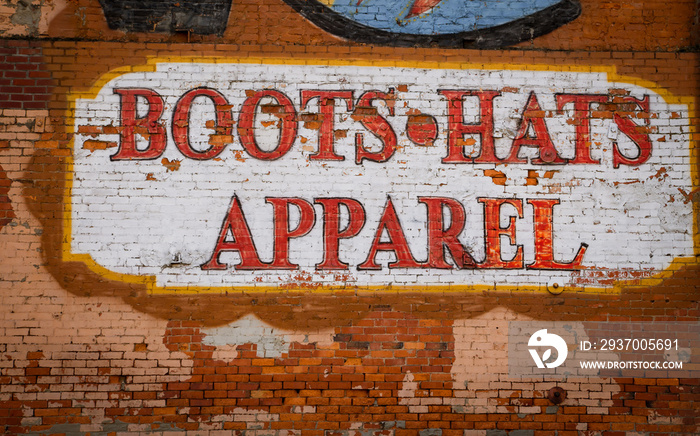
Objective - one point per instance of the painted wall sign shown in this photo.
(210, 176)
(445, 23)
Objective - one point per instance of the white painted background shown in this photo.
(632, 220)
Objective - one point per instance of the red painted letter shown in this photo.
(457, 128)
(636, 133)
(282, 231)
(376, 124)
(326, 109)
(493, 231)
(397, 242)
(181, 121)
(533, 116)
(440, 238)
(544, 253)
(242, 241)
(284, 110)
(582, 114)
(332, 232)
(149, 125)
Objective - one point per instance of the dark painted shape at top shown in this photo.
(446, 23)
(485, 24)
(167, 16)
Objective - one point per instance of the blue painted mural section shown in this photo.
(470, 24)
(446, 16)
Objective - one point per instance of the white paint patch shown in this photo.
(270, 341)
(408, 386)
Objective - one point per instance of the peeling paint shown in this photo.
(27, 15)
(270, 341)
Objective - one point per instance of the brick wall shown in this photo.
(111, 325)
